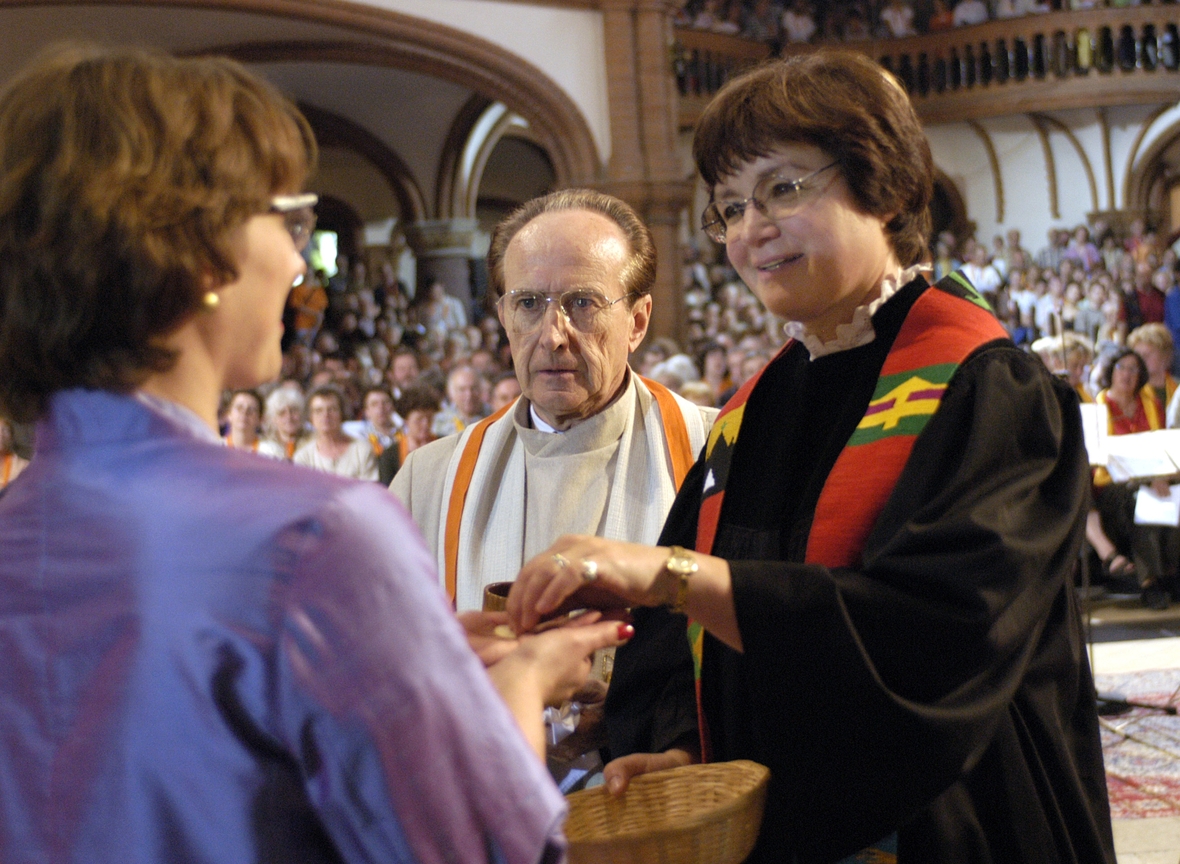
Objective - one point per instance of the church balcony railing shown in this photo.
(1046, 62)
(703, 61)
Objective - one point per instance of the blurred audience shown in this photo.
(330, 449)
(10, 463)
(418, 405)
(783, 22)
(243, 418)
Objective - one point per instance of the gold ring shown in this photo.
(560, 560)
(589, 570)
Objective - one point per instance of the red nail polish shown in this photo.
(626, 631)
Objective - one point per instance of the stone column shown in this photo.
(444, 249)
(644, 169)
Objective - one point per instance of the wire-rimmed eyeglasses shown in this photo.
(298, 216)
(524, 311)
(776, 196)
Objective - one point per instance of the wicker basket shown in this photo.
(696, 814)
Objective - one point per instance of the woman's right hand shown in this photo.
(624, 574)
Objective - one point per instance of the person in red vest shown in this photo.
(875, 551)
(1134, 406)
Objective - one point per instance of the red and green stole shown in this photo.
(945, 324)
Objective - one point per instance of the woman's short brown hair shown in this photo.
(123, 174)
(849, 107)
(639, 274)
(1106, 372)
(418, 398)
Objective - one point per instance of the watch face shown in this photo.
(681, 565)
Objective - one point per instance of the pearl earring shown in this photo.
(211, 300)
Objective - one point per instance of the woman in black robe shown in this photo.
(885, 522)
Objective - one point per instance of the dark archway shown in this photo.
(333, 214)
(948, 211)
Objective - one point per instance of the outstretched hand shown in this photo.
(587, 572)
(557, 661)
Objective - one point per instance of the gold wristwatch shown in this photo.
(681, 564)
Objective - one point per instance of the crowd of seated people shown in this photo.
(1103, 310)
(376, 359)
(778, 22)
(380, 373)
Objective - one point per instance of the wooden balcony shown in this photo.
(1059, 60)
(702, 61)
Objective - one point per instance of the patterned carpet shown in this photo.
(1142, 747)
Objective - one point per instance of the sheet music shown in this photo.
(1143, 455)
(1095, 422)
(1150, 509)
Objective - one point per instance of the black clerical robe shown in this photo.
(941, 689)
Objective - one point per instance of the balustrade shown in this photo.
(702, 61)
(1032, 63)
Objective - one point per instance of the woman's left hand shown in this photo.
(587, 572)
(489, 646)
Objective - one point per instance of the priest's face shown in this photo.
(571, 365)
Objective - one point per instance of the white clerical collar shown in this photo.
(860, 330)
(539, 424)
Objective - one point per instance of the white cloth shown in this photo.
(357, 460)
(899, 20)
(970, 12)
(610, 475)
(986, 279)
(271, 448)
(259, 448)
(1173, 412)
(1026, 301)
(1044, 313)
(363, 429)
(798, 27)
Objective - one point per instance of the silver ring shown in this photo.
(560, 560)
(589, 570)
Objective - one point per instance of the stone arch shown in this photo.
(385, 37)
(332, 129)
(478, 128)
(1149, 178)
(557, 124)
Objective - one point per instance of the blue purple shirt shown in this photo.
(210, 656)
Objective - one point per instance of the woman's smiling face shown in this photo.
(817, 264)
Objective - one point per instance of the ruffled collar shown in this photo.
(859, 331)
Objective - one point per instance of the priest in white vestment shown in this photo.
(590, 447)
